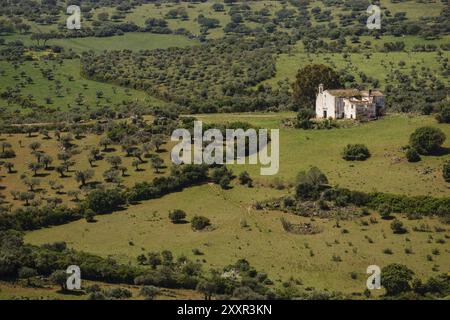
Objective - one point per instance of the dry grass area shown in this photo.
(20, 144)
(20, 291)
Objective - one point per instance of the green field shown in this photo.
(141, 13)
(350, 238)
(379, 65)
(147, 227)
(72, 84)
(386, 170)
(264, 243)
(134, 40)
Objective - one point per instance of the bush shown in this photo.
(104, 201)
(149, 292)
(446, 171)
(444, 115)
(412, 155)
(310, 184)
(385, 211)
(89, 215)
(397, 227)
(427, 140)
(119, 293)
(396, 279)
(244, 178)
(200, 222)
(358, 152)
(177, 216)
(96, 296)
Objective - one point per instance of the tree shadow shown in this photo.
(443, 151)
(91, 185)
(71, 292)
(41, 175)
(180, 222)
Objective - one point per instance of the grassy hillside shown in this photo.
(306, 258)
(51, 147)
(20, 291)
(386, 170)
(378, 65)
(132, 40)
(71, 83)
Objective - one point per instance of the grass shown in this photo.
(377, 66)
(415, 10)
(41, 88)
(141, 13)
(263, 243)
(130, 40)
(145, 227)
(386, 170)
(19, 291)
(50, 147)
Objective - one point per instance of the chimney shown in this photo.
(320, 88)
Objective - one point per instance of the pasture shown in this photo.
(386, 170)
(378, 65)
(58, 86)
(20, 143)
(306, 259)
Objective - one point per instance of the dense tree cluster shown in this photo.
(214, 76)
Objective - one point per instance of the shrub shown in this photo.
(396, 279)
(412, 155)
(26, 272)
(103, 201)
(96, 296)
(200, 222)
(444, 115)
(446, 171)
(310, 184)
(118, 293)
(385, 211)
(177, 216)
(427, 140)
(244, 178)
(358, 152)
(93, 288)
(149, 292)
(397, 227)
(197, 252)
(225, 182)
(89, 215)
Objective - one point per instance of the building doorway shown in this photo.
(325, 114)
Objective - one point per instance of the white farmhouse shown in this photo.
(349, 104)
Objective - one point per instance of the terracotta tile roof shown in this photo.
(344, 92)
(353, 93)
